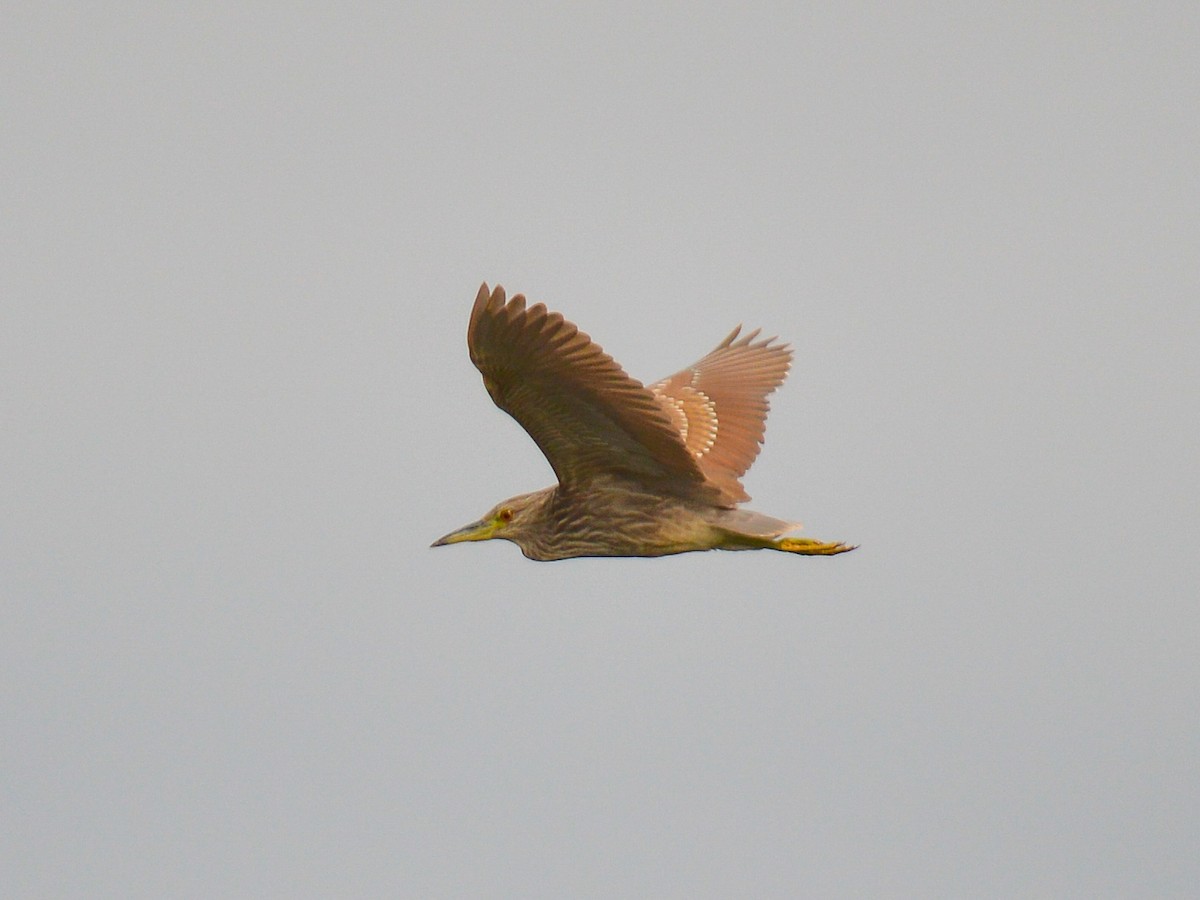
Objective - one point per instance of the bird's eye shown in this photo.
(505, 515)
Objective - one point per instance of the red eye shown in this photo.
(505, 515)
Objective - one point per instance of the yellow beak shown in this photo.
(476, 531)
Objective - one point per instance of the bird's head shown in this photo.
(509, 521)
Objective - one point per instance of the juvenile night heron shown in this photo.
(642, 470)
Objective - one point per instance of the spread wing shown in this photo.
(719, 405)
(585, 414)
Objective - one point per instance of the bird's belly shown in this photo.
(630, 525)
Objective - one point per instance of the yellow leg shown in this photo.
(810, 547)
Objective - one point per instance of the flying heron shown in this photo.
(643, 470)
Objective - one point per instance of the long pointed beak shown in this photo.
(476, 531)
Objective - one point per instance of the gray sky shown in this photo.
(240, 247)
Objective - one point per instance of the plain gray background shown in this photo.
(240, 247)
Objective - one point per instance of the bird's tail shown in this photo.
(750, 523)
(742, 529)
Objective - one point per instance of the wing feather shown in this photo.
(586, 415)
(719, 405)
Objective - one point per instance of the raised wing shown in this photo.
(586, 415)
(719, 405)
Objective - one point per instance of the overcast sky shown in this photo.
(240, 246)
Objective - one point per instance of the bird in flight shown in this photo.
(643, 470)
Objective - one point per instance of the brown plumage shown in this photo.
(642, 471)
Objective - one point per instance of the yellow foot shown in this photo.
(809, 547)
